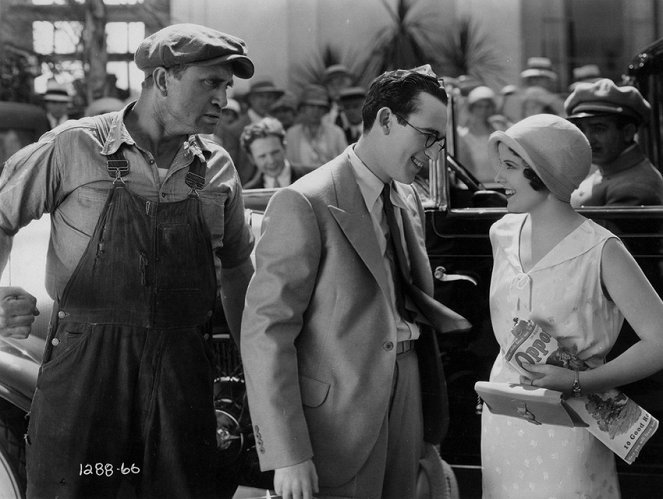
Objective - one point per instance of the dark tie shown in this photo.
(420, 306)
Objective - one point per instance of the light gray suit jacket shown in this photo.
(318, 335)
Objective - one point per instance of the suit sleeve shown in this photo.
(287, 258)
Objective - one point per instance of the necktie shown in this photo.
(424, 308)
(395, 260)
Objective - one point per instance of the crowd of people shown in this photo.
(336, 323)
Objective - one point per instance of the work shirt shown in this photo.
(65, 174)
(371, 187)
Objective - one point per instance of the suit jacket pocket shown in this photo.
(314, 392)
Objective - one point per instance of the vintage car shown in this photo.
(459, 215)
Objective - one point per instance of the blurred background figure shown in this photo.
(230, 114)
(538, 100)
(589, 73)
(511, 105)
(261, 96)
(473, 150)
(104, 105)
(264, 143)
(539, 73)
(285, 109)
(336, 78)
(56, 102)
(311, 141)
(349, 118)
(20, 125)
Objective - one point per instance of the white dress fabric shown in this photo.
(563, 294)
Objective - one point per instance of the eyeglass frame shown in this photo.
(428, 136)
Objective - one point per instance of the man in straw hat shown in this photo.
(148, 229)
(338, 315)
(56, 102)
(609, 116)
(314, 141)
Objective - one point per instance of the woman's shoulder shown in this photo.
(597, 232)
(507, 227)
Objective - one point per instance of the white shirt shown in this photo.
(284, 177)
(371, 187)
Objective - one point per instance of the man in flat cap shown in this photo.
(609, 116)
(349, 118)
(148, 229)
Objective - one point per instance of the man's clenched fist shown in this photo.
(17, 312)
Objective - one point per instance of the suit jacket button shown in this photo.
(388, 346)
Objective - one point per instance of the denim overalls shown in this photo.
(125, 390)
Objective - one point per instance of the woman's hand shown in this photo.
(548, 376)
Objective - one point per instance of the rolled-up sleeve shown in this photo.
(29, 185)
(232, 240)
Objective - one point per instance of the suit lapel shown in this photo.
(355, 221)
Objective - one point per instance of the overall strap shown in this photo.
(195, 177)
(117, 166)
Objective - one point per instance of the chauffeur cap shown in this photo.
(192, 44)
(604, 97)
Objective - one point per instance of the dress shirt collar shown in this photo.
(284, 178)
(370, 185)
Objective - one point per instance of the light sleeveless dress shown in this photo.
(563, 294)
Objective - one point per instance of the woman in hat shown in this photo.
(473, 138)
(578, 282)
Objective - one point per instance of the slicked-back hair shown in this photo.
(399, 91)
(266, 127)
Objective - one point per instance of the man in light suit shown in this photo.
(331, 362)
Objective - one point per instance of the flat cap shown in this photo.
(192, 44)
(604, 97)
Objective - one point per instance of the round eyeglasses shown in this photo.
(433, 141)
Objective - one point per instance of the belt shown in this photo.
(404, 346)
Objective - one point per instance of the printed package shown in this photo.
(612, 417)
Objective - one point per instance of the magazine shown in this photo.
(612, 417)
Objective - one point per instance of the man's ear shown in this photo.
(384, 119)
(160, 76)
(629, 131)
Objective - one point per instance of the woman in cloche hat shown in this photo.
(577, 281)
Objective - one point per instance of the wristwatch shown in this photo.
(575, 387)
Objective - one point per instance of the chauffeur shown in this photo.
(141, 206)
(609, 116)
